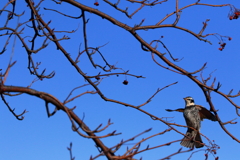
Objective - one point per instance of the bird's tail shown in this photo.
(191, 139)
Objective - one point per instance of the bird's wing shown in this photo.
(206, 114)
(178, 110)
(203, 112)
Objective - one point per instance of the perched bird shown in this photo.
(193, 115)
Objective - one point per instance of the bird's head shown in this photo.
(189, 101)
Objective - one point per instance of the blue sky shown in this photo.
(41, 138)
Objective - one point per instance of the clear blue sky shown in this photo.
(41, 138)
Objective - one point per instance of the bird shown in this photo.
(193, 115)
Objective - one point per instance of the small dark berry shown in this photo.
(214, 151)
(235, 17)
(223, 45)
(237, 13)
(125, 82)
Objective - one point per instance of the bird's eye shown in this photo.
(192, 101)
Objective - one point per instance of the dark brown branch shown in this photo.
(51, 99)
(204, 27)
(70, 151)
(19, 116)
(158, 90)
(63, 13)
(85, 38)
(179, 151)
(190, 5)
(174, 59)
(117, 8)
(230, 122)
(199, 70)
